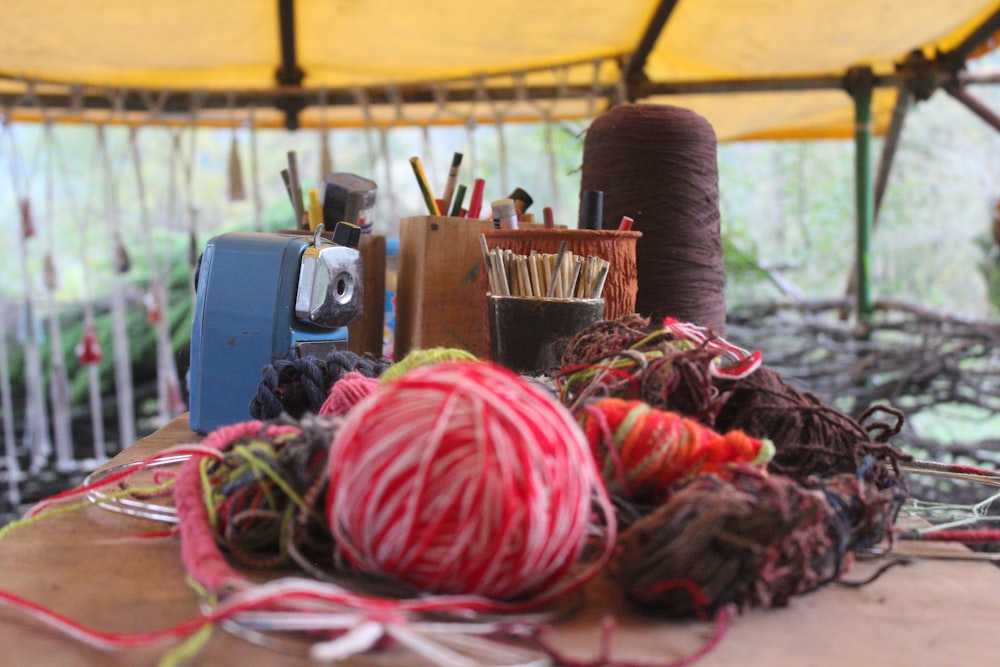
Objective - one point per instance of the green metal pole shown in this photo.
(864, 195)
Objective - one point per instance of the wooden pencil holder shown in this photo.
(441, 285)
(617, 247)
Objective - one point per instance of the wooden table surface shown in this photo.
(86, 565)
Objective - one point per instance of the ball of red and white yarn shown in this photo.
(347, 392)
(461, 478)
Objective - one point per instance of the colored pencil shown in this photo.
(425, 188)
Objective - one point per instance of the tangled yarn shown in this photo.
(461, 478)
(643, 452)
(755, 540)
(664, 367)
(418, 358)
(301, 385)
(676, 368)
(810, 437)
(262, 496)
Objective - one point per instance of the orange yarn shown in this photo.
(643, 451)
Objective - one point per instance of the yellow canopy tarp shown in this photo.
(455, 61)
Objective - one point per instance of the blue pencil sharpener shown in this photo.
(259, 298)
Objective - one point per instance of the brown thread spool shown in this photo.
(657, 164)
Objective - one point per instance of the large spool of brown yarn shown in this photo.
(658, 165)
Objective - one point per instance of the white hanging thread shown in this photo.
(86, 215)
(12, 471)
(470, 135)
(258, 204)
(595, 85)
(562, 76)
(170, 402)
(361, 97)
(396, 98)
(189, 183)
(121, 351)
(325, 154)
(59, 391)
(237, 191)
(36, 433)
(168, 390)
(498, 120)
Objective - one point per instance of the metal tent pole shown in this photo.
(860, 87)
(892, 136)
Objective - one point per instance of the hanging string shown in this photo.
(258, 201)
(471, 123)
(399, 117)
(562, 79)
(370, 125)
(361, 99)
(498, 121)
(36, 432)
(189, 164)
(595, 89)
(120, 345)
(88, 350)
(59, 390)
(440, 93)
(13, 473)
(237, 191)
(168, 389)
(12, 466)
(325, 154)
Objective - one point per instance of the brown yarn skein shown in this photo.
(658, 165)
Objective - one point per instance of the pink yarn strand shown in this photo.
(199, 552)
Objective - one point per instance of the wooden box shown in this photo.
(441, 288)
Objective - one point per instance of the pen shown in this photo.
(315, 210)
(456, 207)
(549, 218)
(591, 209)
(476, 202)
(449, 187)
(425, 188)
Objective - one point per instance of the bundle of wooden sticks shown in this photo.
(559, 276)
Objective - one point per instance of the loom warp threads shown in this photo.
(461, 478)
(644, 452)
(657, 164)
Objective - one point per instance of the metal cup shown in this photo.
(526, 332)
